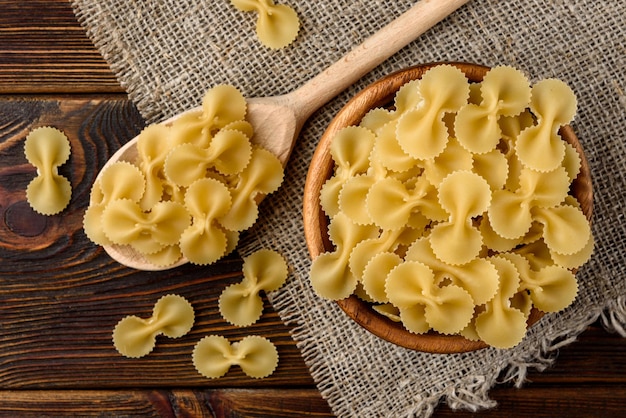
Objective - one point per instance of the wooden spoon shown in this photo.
(277, 120)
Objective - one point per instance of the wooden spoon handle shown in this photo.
(365, 57)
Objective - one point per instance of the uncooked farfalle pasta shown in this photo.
(172, 316)
(49, 192)
(192, 189)
(451, 211)
(214, 355)
(277, 24)
(264, 270)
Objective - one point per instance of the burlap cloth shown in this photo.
(167, 53)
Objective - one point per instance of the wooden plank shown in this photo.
(43, 49)
(595, 357)
(571, 402)
(61, 295)
(550, 402)
(166, 403)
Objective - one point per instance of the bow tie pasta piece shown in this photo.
(365, 250)
(375, 275)
(164, 257)
(125, 223)
(421, 132)
(214, 355)
(510, 212)
(351, 198)
(388, 152)
(229, 153)
(135, 337)
(49, 192)
(204, 241)
(350, 150)
(500, 324)
(262, 176)
(240, 304)
(120, 180)
(330, 273)
(453, 158)
(277, 25)
(407, 97)
(391, 205)
(565, 228)
(493, 166)
(505, 91)
(221, 106)
(153, 145)
(464, 195)
(423, 305)
(551, 288)
(554, 104)
(478, 277)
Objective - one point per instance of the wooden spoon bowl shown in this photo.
(381, 93)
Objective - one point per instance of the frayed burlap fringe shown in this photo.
(614, 316)
(167, 53)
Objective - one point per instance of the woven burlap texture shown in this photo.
(167, 53)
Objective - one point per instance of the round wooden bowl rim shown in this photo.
(377, 94)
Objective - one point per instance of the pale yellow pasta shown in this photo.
(240, 304)
(164, 257)
(221, 106)
(510, 212)
(365, 250)
(172, 316)
(565, 228)
(229, 152)
(575, 260)
(423, 305)
(204, 241)
(214, 355)
(388, 151)
(153, 145)
(277, 24)
(500, 324)
(124, 222)
(192, 187)
(421, 132)
(463, 195)
(375, 274)
(428, 231)
(454, 157)
(554, 104)
(352, 195)
(389, 311)
(49, 192)
(571, 161)
(406, 98)
(263, 175)
(504, 91)
(551, 288)
(350, 150)
(120, 180)
(493, 167)
(479, 277)
(330, 274)
(390, 204)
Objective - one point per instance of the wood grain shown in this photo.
(60, 295)
(43, 49)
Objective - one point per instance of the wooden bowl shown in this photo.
(378, 94)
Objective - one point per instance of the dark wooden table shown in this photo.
(61, 296)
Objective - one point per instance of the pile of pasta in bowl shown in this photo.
(453, 217)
